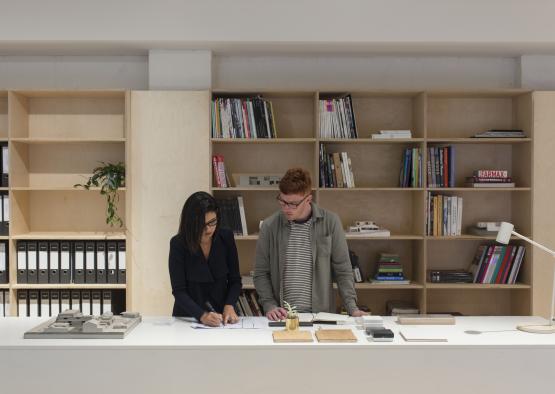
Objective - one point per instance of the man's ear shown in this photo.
(309, 198)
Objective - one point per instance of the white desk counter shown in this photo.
(165, 355)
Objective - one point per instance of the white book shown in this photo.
(5, 208)
(242, 215)
(5, 160)
(424, 334)
(459, 215)
(2, 305)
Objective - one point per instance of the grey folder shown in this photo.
(21, 262)
(32, 275)
(55, 302)
(65, 262)
(75, 300)
(44, 303)
(86, 302)
(90, 263)
(112, 262)
(43, 262)
(79, 262)
(101, 262)
(53, 262)
(121, 262)
(64, 300)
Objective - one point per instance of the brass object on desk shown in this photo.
(292, 323)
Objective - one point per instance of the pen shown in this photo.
(210, 308)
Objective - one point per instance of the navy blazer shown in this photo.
(195, 279)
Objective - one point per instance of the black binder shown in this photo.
(121, 262)
(5, 164)
(65, 262)
(32, 261)
(75, 300)
(112, 262)
(55, 302)
(44, 310)
(54, 262)
(106, 301)
(79, 262)
(90, 263)
(21, 262)
(22, 303)
(101, 262)
(43, 262)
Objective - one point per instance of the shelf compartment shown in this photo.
(266, 159)
(476, 286)
(370, 141)
(258, 141)
(375, 111)
(515, 158)
(463, 114)
(34, 141)
(70, 286)
(400, 213)
(67, 114)
(376, 299)
(480, 301)
(294, 112)
(374, 166)
(61, 211)
(60, 165)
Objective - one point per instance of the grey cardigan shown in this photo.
(329, 254)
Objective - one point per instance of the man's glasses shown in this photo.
(290, 204)
(211, 223)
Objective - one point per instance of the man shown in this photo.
(298, 249)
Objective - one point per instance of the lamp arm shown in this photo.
(551, 252)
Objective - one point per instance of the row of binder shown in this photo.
(4, 303)
(4, 277)
(47, 303)
(71, 261)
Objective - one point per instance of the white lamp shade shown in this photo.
(504, 234)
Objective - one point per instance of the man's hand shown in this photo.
(358, 313)
(229, 315)
(276, 314)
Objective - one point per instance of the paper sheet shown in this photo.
(245, 322)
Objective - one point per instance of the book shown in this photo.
(426, 319)
(423, 334)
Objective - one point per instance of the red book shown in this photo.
(503, 267)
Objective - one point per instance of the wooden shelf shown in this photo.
(4, 189)
(376, 286)
(478, 140)
(371, 189)
(4, 237)
(106, 286)
(4, 286)
(249, 189)
(70, 235)
(475, 286)
(391, 238)
(465, 237)
(253, 237)
(66, 140)
(60, 189)
(263, 140)
(479, 189)
(370, 141)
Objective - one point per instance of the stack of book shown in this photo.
(441, 166)
(392, 134)
(497, 264)
(411, 168)
(251, 117)
(501, 134)
(490, 178)
(389, 270)
(337, 118)
(248, 305)
(220, 175)
(336, 169)
(232, 214)
(450, 276)
(443, 215)
(399, 307)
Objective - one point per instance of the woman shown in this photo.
(204, 267)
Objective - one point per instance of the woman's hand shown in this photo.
(211, 319)
(229, 315)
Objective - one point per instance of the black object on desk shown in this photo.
(282, 324)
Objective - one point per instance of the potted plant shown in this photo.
(109, 177)
(292, 320)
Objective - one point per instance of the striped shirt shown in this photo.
(297, 275)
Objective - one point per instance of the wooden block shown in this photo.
(292, 336)
(345, 335)
(433, 319)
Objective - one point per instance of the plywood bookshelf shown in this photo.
(55, 139)
(436, 118)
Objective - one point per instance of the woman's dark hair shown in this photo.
(191, 225)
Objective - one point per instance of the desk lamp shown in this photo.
(504, 236)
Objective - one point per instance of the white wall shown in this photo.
(489, 26)
(344, 72)
(73, 72)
